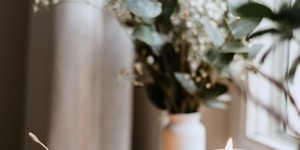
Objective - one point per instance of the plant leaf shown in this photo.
(144, 8)
(234, 4)
(254, 50)
(224, 97)
(240, 28)
(234, 47)
(163, 21)
(222, 60)
(147, 35)
(215, 104)
(292, 71)
(213, 92)
(156, 95)
(289, 16)
(254, 10)
(186, 82)
(211, 53)
(170, 58)
(265, 55)
(214, 33)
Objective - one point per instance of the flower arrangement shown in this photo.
(186, 47)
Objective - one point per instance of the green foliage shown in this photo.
(288, 20)
(254, 10)
(186, 82)
(138, 8)
(156, 95)
(213, 92)
(149, 36)
(291, 73)
(240, 28)
(289, 16)
(215, 104)
(254, 51)
(215, 35)
(181, 84)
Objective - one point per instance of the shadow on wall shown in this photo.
(13, 45)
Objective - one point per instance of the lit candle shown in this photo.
(229, 145)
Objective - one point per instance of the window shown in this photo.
(260, 126)
(294, 87)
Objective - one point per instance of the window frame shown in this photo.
(257, 129)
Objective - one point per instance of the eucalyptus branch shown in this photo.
(262, 32)
(280, 86)
(271, 110)
(239, 69)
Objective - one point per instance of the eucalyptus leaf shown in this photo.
(156, 95)
(144, 8)
(234, 4)
(292, 71)
(211, 53)
(147, 35)
(289, 16)
(240, 28)
(213, 32)
(254, 51)
(170, 58)
(297, 3)
(186, 82)
(213, 92)
(223, 60)
(224, 98)
(254, 10)
(215, 104)
(234, 47)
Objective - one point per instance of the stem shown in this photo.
(183, 43)
(271, 110)
(281, 87)
(260, 33)
(182, 53)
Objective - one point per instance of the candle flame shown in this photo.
(229, 144)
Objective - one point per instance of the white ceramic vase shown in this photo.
(184, 132)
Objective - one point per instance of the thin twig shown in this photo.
(279, 86)
(183, 41)
(271, 110)
(260, 33)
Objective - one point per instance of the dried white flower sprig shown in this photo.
(36, 139)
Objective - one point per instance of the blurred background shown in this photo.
(60, 79)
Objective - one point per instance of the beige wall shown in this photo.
(13, 33)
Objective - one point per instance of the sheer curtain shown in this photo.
(74, 101)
